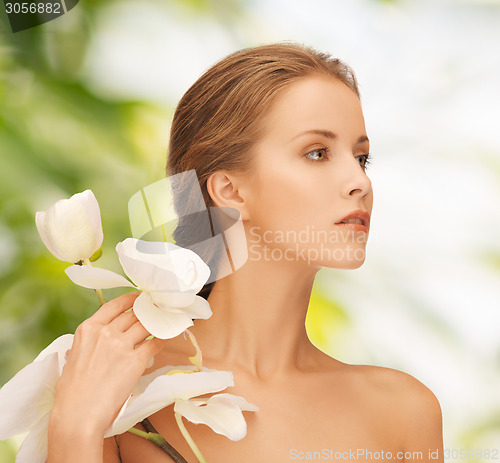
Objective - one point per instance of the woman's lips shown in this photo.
(358, 215)
(353, 226)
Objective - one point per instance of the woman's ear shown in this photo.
(222, 187)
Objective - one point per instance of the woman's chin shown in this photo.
(344, 264)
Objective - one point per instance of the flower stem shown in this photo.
(189, 439)
(163, 232)
(100, 296)
(150, 436)
(166, 447)
(99, 293)
(197, 359)
(159, 441)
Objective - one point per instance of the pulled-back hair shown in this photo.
(218, 120)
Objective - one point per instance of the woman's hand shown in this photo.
(109, 355)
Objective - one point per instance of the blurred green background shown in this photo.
(86, 102)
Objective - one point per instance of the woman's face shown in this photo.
(308, 175)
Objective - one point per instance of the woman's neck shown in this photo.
(258, 321)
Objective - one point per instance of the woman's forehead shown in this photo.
(314, 103)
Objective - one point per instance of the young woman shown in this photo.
(277, 133)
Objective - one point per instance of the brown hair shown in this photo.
(217, 121)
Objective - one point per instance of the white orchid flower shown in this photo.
(221, 412)
(71, 228)
(159, 390)
(168, 276)
(27, 400)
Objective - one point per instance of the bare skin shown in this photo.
(338, 407)
(308, 401)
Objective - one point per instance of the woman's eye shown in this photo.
(317, 155)
(364, 160)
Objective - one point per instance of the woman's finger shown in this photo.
(137, 333)
(151, 347)
(123, 321)
(110, 310)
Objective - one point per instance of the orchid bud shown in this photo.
(71, 228)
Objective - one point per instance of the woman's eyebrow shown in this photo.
(328, 134)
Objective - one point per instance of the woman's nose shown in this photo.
(356, 182)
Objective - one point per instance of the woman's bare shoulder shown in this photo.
(395, 388)
(403, 406)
